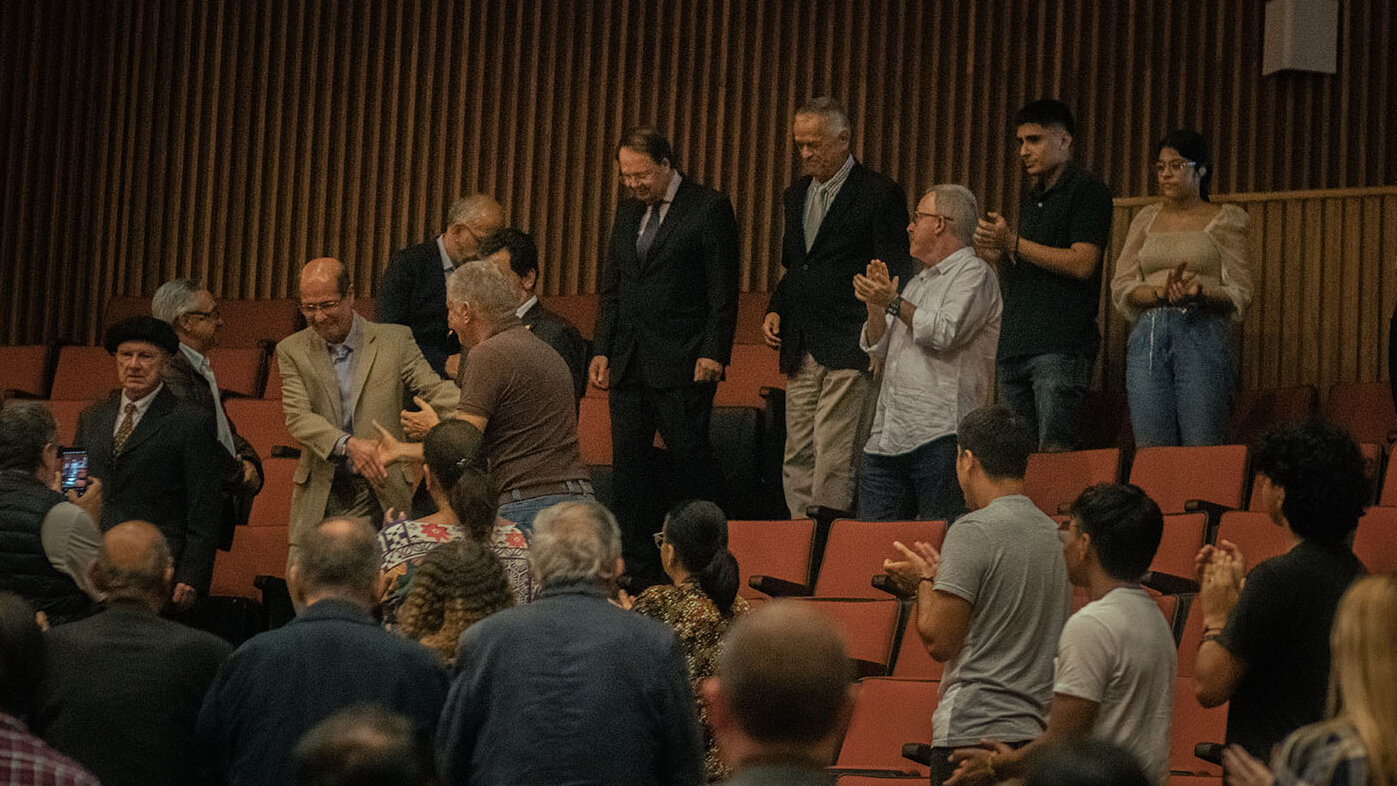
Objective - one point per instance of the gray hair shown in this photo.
(26, 428)
(134, 582)
(958, 205)
(344, 561)
(836, 119)
(476, 211)
(482, 286)
(574, 541)
(174, 299)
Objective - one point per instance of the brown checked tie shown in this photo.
(123, 432)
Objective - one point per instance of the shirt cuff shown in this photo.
(340, 445)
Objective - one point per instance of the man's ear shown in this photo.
(528, 280)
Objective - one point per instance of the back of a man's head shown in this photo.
(1321, 470)
(1125, 527)
(575, 541)
(134, 564)
(22, 655)
(339, 558)
(368, 745)
(785, 676)
(26, 429)
(1000, 440)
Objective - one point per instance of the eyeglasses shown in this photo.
(210, 314)
(659, 538)
(1176, 166)
(312, 308)
(919, 215)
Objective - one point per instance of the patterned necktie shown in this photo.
(123, 432)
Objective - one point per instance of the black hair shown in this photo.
(450, 448)
(1321, 470)
(698, 531)
(523, 251)
(26, 428)
(1046, 112)
(1125, 526)
(1194, 147)
(999, 439)
(1085, 762)
(23, 656)
(473, 498)
(650, 142)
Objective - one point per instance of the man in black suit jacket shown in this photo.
(664, 334)
(191, 311)
(839, 216)
(412, 291)
(156, 455)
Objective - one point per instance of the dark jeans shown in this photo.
(1049, 391)
(919, 484)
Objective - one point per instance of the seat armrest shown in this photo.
(779, 588)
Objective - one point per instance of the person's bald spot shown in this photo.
(322, 270)
(132, 545)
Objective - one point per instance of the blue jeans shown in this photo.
(523, 511)
(1178, 375)
(919, 484)
(1049, 391)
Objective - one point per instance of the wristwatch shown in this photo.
(895, 307)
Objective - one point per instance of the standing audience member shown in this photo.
(993, 602)
(1050, 272)
(281, 683)
(664, 334)
(124, 687)
(47, 543)
(701, 603)
(364, 746)
(782, 697)
(1265, 646)
(456, 585)
(412, 291)
(571, 689)
(24, 758)
(156, 455)
(1115, 660)
(838, 216)
(1358, 744)
(191, 311)
(1180, 276)
(937, 342)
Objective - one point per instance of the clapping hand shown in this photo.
(921, 561)
(1180, 288)
(1221, 574)
(873, 286)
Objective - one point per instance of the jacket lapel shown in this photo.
(842, 203)
(362, 365)
(318, 353)
(675, 213)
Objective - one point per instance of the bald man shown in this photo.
(412, 291)
(339, 376)
(127, 672)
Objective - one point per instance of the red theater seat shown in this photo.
(86, 373)
(888, 713)
(257, 551)
(771, 548)
(1174, 475)
(1055, 479)
(24, 371)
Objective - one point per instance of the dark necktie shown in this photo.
(647, 235)
(123, 432)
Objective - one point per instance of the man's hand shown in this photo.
(1220, 581)
(393, 516)
(1243, 769)
(707, 370)
(623, 599)
(771, 330)
(91, 499)
(364, 460)
(600, 372)
(873, 286)
(389, 448)
(975, 766)
(250, 475)
(417, 424)
(184, 596)
(993, 234)
(919, 562)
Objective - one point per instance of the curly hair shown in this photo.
(1321, 470)
(456, 585)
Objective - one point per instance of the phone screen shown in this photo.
(74, 472)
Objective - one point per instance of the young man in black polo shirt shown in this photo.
(1050, 277)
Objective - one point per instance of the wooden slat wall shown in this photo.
(234, 139)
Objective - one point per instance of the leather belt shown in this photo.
(546, 489)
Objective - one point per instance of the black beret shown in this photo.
(147, 329)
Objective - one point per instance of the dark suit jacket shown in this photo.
(167, 475)
(412, 292)
(815, 298)
(122, 693)
(564, 338)
(189, 385)
(661, 315)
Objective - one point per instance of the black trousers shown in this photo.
(648, 482)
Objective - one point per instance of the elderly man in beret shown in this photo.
(156, 454)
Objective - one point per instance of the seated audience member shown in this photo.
(993, 602)
(191, 311)
(516, 255)
(702, 602)
(154, 455)
(47, 542)
(24, 758)
(1358, 744)
(1265, 646)
(455, 586)
(123, 688)
(465, 501)
(279, 684)
(782, 695)
(364, 746)
(1085, 762)
(569, 688)
(936, 342)
(1115, 659)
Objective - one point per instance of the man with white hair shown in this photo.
(571, 688)
(937, 341)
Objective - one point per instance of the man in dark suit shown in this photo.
(664, 334)
(516, 255)
(839, 216)
(191, 311)
(156, 455)
(412, 291)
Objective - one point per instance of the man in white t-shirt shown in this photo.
(1116, 658)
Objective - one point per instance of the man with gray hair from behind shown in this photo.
(571, 688)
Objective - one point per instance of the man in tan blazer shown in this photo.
(340, 376)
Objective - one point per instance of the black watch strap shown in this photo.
(895, 307)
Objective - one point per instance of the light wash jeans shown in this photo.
(1178, 373)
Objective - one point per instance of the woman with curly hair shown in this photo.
(455, 586)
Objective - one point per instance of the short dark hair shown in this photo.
(650, 142)
(364, 745)
(523, 251)
(999, 440)
(1321, 470)
(26, 428)
(344, 562)
(1046, 112)
(1125, 526)
(1085, 762)
(23, 657)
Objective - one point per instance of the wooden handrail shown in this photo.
(1273, 196)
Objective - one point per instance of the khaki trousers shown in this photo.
(829, 413)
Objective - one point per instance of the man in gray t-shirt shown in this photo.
(994, 605)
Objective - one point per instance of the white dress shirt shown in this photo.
(201, 365)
